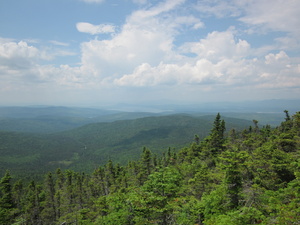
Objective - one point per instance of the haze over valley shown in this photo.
(47, 137)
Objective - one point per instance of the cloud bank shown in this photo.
(146, 52)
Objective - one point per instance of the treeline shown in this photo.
(247, 177)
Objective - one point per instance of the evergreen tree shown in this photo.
(287, 124)
(216, 138)
(287, 116)
(49, 211)
(252, 177)
(233, 163)
(6, 201)
(32, 204)
(145, 165)
(18, 192)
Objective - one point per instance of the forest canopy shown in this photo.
(230, 177)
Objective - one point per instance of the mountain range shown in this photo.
(37, 140)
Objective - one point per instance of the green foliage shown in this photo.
(216, 138)
(84, 148)
(245, 215)
(6, 200)
(248, 177)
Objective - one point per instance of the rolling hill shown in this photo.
(87, 147)
(55, 119)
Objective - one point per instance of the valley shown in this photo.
(41, 139)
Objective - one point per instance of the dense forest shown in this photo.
(230, 177)
(85, 148)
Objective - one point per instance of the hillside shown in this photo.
(51, 119)
(247, 177)
(55, 119)
(87, 147)
(33, 154)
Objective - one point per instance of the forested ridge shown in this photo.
(83, 149)
(229, 177)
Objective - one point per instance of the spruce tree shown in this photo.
(145, 165)
(49, 212)
(6, 200)
(216, 141)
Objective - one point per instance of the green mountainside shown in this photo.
(231, 177)
(55, 119)
(86, 147)
(52, 119)
(120, 139)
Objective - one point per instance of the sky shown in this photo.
(101, 52)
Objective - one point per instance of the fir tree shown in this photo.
(6, 200)
(216, 138)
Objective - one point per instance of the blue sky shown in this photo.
(100, 52)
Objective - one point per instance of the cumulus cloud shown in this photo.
(19, 55)
(217, 46)
(95, 29)
(143, 53)
(225, 73)
(220, 60)
(21, 49)
(146, 37)
(18, 61)
(214, 54)
(22, 64)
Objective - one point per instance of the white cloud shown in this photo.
(226, 73)
(275, 58)
(125, 51)
(288, 43)
(260, 17)
(201, 72)
(20, 49)
(16, 55)
(95, 29)
(156, 10)
(195, 23)
(21, 64)
(277, 15)
(217, 46)
(279, 70)
(220, 8)
(144, 38)
(18, 61)
(142, 53)
(220, 61)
